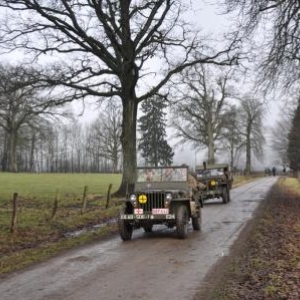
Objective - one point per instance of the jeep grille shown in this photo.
(154, 200)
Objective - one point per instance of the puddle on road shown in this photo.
(77, 233)
(234, 222)
(252, 200)
(222, 252)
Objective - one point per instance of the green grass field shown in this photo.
(44, 186)
(35, 231)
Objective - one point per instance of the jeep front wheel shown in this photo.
(148, 227)
(125, 228)
(225, 195)
(182, 219)
(196, 222)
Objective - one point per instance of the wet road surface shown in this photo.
(153, 265)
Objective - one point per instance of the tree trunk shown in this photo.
(12, 162)
(115, 160)
(128, 141)
(231, 156)
(248, 154)
(211, 147)
(32, 148)
(4, 161)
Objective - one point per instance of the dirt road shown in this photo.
(153, 265)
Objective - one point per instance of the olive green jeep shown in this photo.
(160, 195)
(214, 181)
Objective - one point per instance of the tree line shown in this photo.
(44, 138)
(64, 146)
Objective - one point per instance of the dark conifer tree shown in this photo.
(294, 141)
(152, 125)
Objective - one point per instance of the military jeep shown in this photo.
(160, 196)
(214, 181)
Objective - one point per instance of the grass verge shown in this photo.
(265, 262)
(36, 235)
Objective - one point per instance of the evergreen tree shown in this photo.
(294, 141)
(153, 145)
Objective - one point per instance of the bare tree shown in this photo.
(31, 134)
(21, 103)
(113, 43)
(280, 138)
(201, 109)
(293, 149)
(231, 138)
(279, 134)
(106, 133)
(249, 127)
(280, 21)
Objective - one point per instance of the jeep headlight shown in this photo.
(168, 196)
(132, 198)
(168, 199)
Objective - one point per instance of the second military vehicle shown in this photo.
(214, 181)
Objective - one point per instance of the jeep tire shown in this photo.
(225, 195)
(228, 192)
(182, 218)
(196, 222)
(148, 227)
(125, 229)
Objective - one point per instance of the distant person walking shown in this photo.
(274, 171)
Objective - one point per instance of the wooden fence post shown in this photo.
(108, 196)
(84, 199)
(15, 212)
(55, 205)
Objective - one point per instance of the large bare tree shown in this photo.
(249, 125)
(111, 44)
(231, 142)
(201, 108)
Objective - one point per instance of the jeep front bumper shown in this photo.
(147, 217)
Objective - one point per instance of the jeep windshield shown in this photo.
(166, 174)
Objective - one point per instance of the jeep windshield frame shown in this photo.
(162, 174)
(161, 181)
(211, 171)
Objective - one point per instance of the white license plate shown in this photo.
(126, 217)
(160, 211)
(142, 217)
(170, 217)
(138, 211)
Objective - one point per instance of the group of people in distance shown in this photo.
(273, 171)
